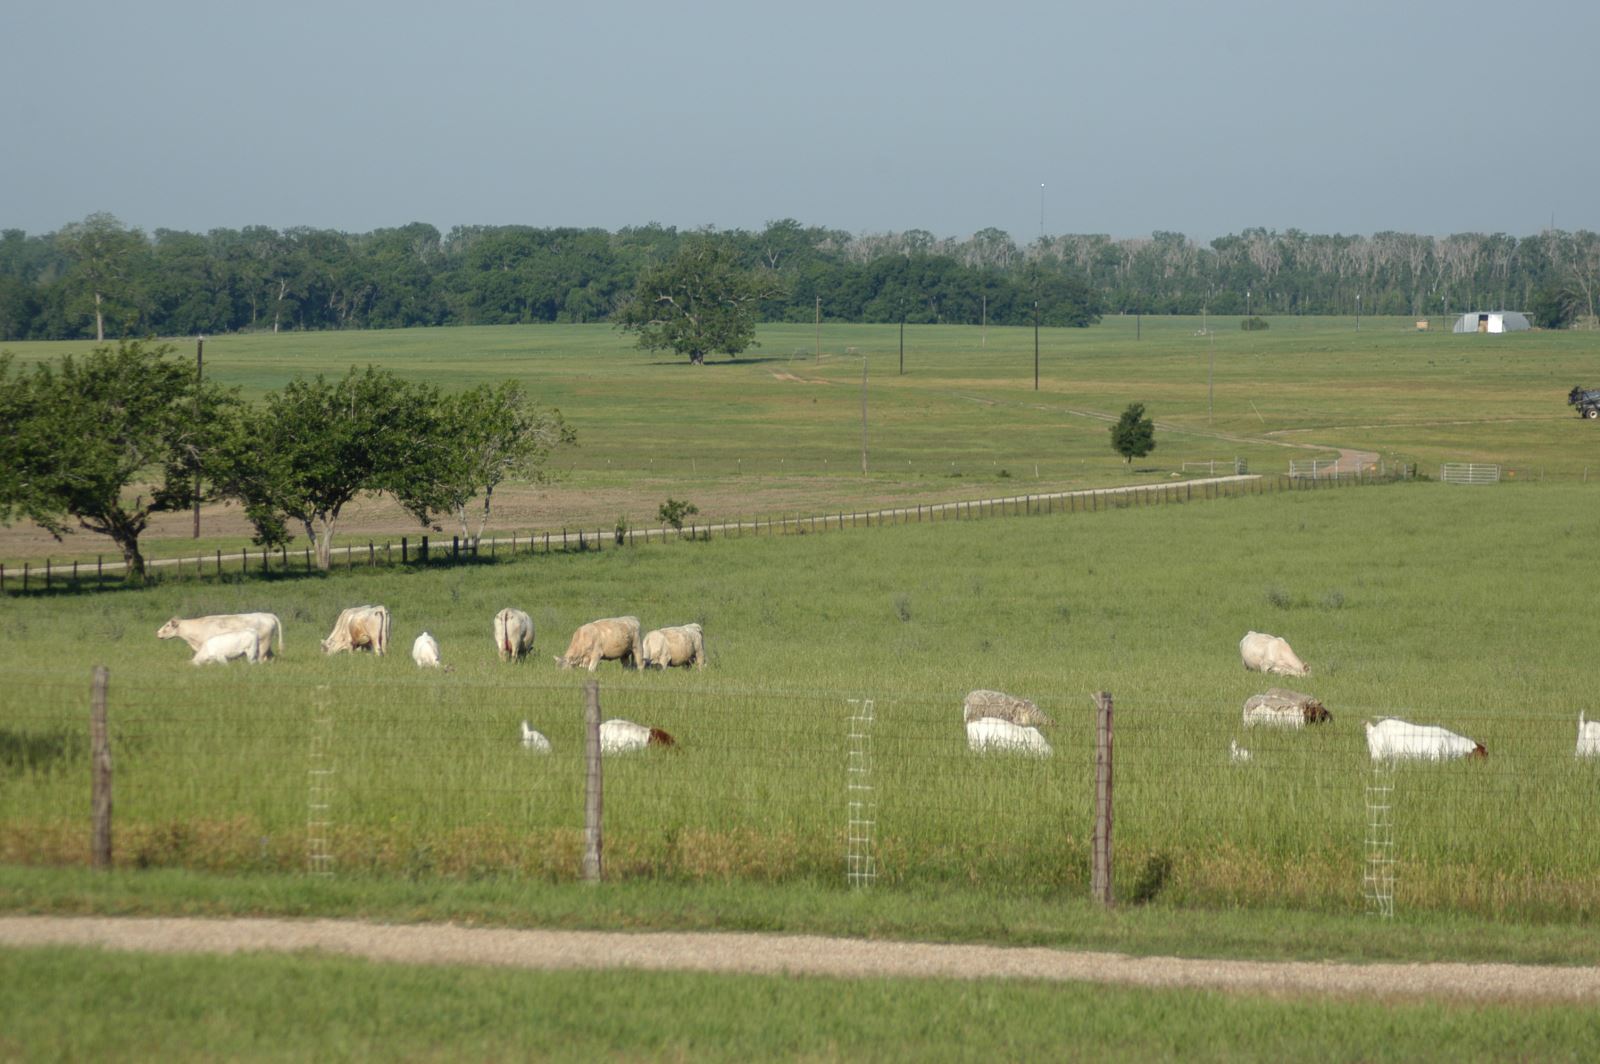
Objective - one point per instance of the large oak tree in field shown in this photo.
(315, 445)
(105, 441)
(702, 300)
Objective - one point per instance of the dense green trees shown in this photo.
(99, 277)
(105, 441)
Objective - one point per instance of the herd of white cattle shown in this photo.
(995, 721)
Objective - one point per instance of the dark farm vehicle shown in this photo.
(1587, 402)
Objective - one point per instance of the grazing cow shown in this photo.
(425, 651)
(1283, 708)
(1588, 737)
(513, 634)
(994, 734)
(666, 647)
(532, 740)
(608, 639)
(1397, 740)
(359, 628)
(1268, 653)
(1236, 753)
(196, 630)
(1001, 706)
(225, 646)
(624, 736)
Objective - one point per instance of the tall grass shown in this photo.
(1438, 604)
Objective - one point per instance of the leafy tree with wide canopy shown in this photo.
(700, 301)
(490, 433)
(105, 440)
(314, 446)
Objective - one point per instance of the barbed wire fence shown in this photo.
(432, 777)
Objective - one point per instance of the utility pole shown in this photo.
(902, 341)
(1036, 342)
(863, 415)
(1211, 377)
(983, 337)
(199, 349)
(819, 328)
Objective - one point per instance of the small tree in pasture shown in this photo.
(1134, 435)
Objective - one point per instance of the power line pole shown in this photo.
(199, 349)
(819, 328)
(902, 341)
(1036, 344)
(863, 415)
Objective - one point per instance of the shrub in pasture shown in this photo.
(1153, 876)
(673, 511)
(1279, 598)
(1333, 600)
(1254, 324)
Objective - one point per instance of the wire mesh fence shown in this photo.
(764, 785)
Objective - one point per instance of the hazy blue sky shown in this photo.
(1351, 117)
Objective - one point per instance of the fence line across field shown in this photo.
(911, 786)
(281, 560)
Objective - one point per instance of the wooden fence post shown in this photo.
(100, 771)
(1100, 873)
(592, 786)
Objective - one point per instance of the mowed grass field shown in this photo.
(1440, 604)
(779, 430)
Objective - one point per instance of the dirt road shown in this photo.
(795, 955)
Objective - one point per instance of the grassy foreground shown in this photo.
(80, 1004)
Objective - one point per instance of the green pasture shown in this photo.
(1439, 604)
(780, 429)
(87, 1004)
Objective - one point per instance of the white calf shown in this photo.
(224, 647)
(992, 733)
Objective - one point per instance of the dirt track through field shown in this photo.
(766, 954)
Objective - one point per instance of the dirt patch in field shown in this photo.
(766, 954)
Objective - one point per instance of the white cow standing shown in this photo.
(513, 634)
(1391, 739)
(425, 651)
(196, 630)
(1269, 653)
(225, 646)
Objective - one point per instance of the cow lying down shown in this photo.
(993, 735)
(1398, 740)
(1001, 706)
(624, 736)
(1283, 708)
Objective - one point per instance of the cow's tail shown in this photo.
(279, 626)
(383, 630)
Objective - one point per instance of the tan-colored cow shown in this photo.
(359, 628)
(196, 630)
(1001, 706)
(1261, 652)
(683, 644)
(608, 639)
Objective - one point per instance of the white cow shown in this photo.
(1588, 737)
(1269, 653)
(359, 627)
(1397, 740)
(608, 639)
(532, 740)
(196, 630)
(992, 733)
(680, 645)
(425, 651)
(624, 736)
(225, 646)
(513, 634)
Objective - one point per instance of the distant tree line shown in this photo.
(100, 278)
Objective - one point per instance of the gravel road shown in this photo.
(796, 955)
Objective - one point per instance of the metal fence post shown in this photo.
(100, 771)
(1100, 872)
(592, 787)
